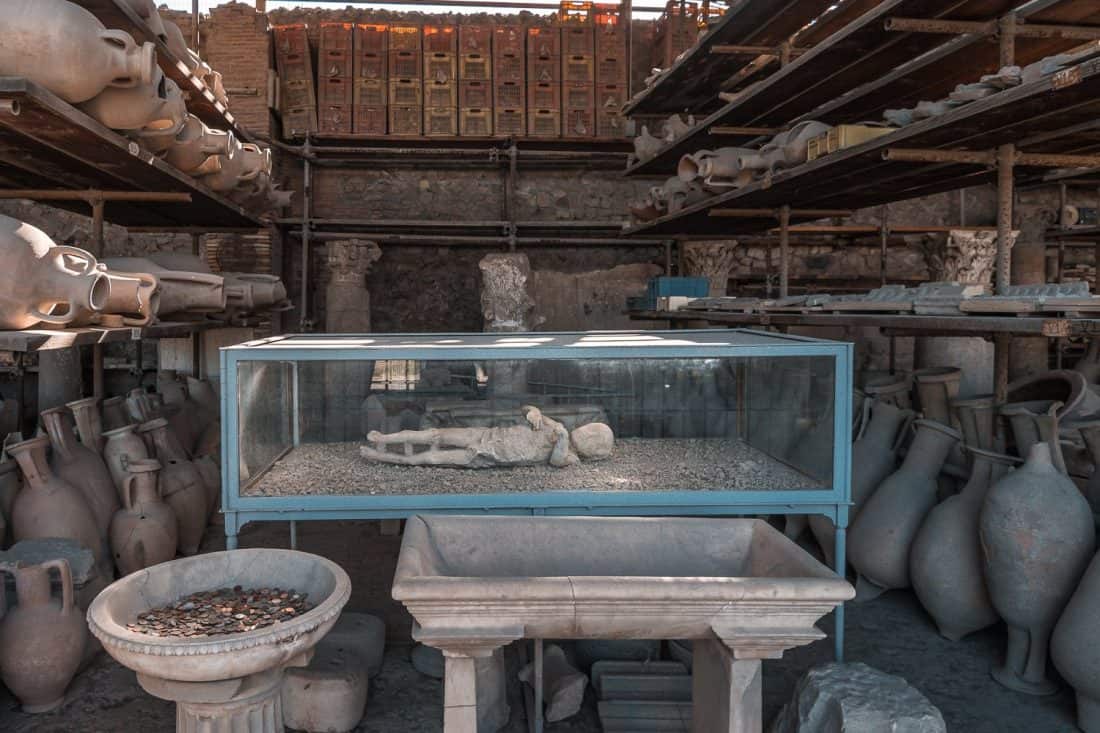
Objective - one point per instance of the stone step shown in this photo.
(634, 716)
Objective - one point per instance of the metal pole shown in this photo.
(97, 370)
(97, 227)
(628, 29)
(538, 686)
(195, 25)
(668, 258)
(1006, 31)
(884, 237)
(307, 175)
(1005, 161)
(784, 250)
(1062, 201)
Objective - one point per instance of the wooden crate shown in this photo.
(369, 120)
(508, 40)
(297, 121)
(405, 38)
(674, 32)
(337, 91)
(610, 96)
(508, 95)
(475, 122)
(578, 40)
(440, 38)
(440, 67)
(334, 118)
(508, 68)
(475, 38)
(475, 66)
(290, 40)
(574, 11)
(544, 69)
(297, 94)
(405, 65)
(843, 136)
(440, 122)
(577, 68)
(335, 51)
(509, 122)
(543, 42)
(475, 95)
(406, 120)
(440, 94)
(610, 123)
(576, 95)
(337, 37)
(611, 70)
(405, 93)
(544, 123)
(578, 123)
(371, 93)
(543, 95)
(372, 38)
(371, 66)
(335, 65)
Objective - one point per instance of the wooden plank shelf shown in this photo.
(40, 339)
(48, 144)
(841, 80)
(200, 99)
(1048, 112)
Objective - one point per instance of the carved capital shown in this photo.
(349, 260)
(962, 256)
(712, 260)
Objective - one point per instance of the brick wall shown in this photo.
(236, 42)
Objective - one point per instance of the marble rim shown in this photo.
(115, 635)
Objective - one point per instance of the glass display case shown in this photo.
(690, 422)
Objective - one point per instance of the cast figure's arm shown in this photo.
(561, 456)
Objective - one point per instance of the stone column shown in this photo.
(347, 310)
(965, 257)
(712, 260)
(507, 307)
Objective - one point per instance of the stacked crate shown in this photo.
(578, 79)
(406, 107)
(611, 69)
(509, 79)
(371, 94)
(440, 81)
(335, 77)
(475, 80)
(297, 98)
(675, 32)
(544, 81)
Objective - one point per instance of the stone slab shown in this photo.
(363, 635)
(330, 694)
(635, 716)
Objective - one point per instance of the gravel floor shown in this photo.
(638, 464)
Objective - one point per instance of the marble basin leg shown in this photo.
(251, 704)
(726, 692)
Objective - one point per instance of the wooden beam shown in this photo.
(735, 130)
(941, 26)
(92, 195)
(993, 27)
(735, 49)
(763, 213)
(989, 157)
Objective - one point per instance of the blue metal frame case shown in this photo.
(704, 343)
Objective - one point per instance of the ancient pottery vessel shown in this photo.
(144, 531)
(131, 108)
(1089, 364)
(180, 292)
(880, 537)
(874, 457)
(158, 135)
(147, 11)
(176, 43)
(1035, 422)
(10, 484)
(65, 48)
(976, 417)
(945, 562)
(181, 486)
(123, 445)
(211, 476)
(113, 411)
(200, 391)
(1073, 643)
(1037, 536)
(196, 143)
(233, 170)
(82, 467)
(936, 388)
(50, 507)
(41, 639)
(1060, 385)
(893, 389)
(42, 282)
(89, 424)
(1090, 433)
(133, 299)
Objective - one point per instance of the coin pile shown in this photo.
(222, 611)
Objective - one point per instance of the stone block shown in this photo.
(360, 634)
(857, 698)
(328, 695)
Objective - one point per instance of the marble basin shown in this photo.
(235, 678)
(739, 587)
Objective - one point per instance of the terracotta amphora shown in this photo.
(1037, 536)
(232, 171)
(794, 143)
(936, 388)
(1035, 422)
(1089, 364)
(180, 292)
(131, 108)
(248, 292)
(41, 639)
(158, 135)
(10, 484)
(1073, 647)
(113, 413)
(144, 531)
(874, 457)
(50, 507)
(147, 11)
(196, 143)
(1070, 388)
(1090, 433)
(882, 533)
(211, 475)
(65, 48)
(176, 44)
(945, 562)
(135, 296)
(89, 423)
(181, 486)
(200, 391)
(123, 444)
(976, 417)
(893, 389)
(82, 467)
(45, 283)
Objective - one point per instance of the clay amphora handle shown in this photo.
(66, 583)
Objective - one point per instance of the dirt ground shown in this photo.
(891, 633)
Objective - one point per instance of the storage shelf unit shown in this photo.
(201, 101)
(841, 80)
(47, 144)
(37, 339)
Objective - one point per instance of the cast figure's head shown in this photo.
(592, 442)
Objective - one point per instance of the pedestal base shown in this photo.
(250, 704)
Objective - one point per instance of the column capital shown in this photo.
(473, 643)
(350, 260)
